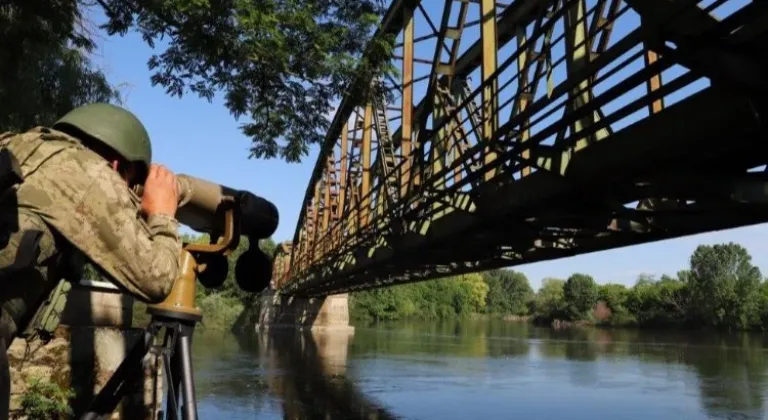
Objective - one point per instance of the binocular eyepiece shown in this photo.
(201, 204)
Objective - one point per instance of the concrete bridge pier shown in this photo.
(277, 310)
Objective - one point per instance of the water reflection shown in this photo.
(281, 374)
(470, 338)
(483, 369)
(730, 369)
(308, 373)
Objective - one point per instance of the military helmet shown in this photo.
(113, 126)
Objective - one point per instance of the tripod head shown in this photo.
(225, 214)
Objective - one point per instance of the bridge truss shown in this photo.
(536, 130)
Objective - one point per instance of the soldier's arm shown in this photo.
(141, 257)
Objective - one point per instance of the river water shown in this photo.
(482, 370)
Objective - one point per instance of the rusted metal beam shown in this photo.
(365, 186)
(407, 99)
(490, 91)
(441, 229)
(392, 23)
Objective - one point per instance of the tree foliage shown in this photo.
(550, 299)
(724, 286)
(658, 303)
(44, 66)
(508, 292)
(280, 63)
(442, 298)
(580, 292)
(720, 289)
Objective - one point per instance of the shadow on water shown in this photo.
(284, 374)
(311, 381)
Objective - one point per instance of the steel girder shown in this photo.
(593, 124)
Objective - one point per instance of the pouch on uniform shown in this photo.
(48, 315)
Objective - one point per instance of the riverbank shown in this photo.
(721, 290)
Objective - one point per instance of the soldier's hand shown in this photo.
(160, 192)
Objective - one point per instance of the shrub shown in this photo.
(220, 312)
(45, 400)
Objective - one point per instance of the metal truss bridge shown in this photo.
(535, 130)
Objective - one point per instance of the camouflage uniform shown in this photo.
(73, 197)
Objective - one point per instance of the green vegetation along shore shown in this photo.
(721, 289)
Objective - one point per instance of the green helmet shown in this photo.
(113, 126)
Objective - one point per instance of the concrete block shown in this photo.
(282, 311)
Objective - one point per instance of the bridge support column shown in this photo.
(277, 310)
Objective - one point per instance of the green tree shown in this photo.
(508, 292)
(280, 63)
(580, 293)
(684, 276)
(614, 295)
(658, 303)
(478, 290)
(764, 306)
(377, 304)
(44, 66)
(550, 300)
(724, 286)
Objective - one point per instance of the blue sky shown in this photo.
(193, 136)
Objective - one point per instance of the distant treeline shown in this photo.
(721, 289)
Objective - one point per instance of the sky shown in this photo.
(192, 136)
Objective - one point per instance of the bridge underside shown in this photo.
(609, 166)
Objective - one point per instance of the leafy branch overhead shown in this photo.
(44, 68)
(280, 63)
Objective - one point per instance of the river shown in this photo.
(482, 370)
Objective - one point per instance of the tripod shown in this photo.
(175, 351)
(178, 316)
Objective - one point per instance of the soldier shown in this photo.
(66, 193)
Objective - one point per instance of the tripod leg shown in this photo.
(171, 400)
(109, 397)
(184, 352)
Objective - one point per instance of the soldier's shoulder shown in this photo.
(75, 163)
(8, 136)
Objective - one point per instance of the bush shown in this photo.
(220, 312)
(45, 400)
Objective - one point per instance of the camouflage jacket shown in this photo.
(81, 197)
